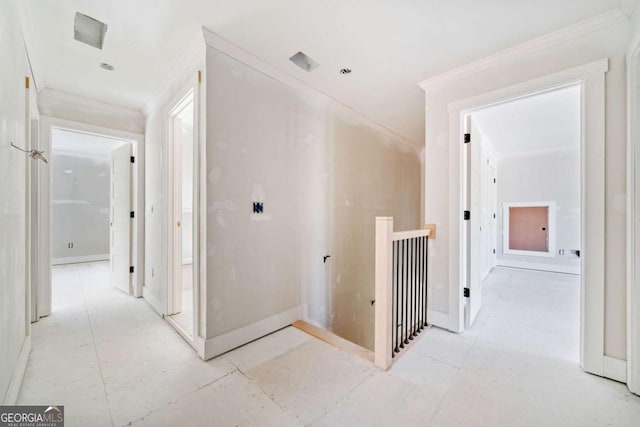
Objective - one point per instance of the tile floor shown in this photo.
(112, 361)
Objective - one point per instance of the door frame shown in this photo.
(591, 78)
(551, 233)
(190, 90)
(633, 213)
(47, 124)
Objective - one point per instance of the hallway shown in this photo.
(112, 361)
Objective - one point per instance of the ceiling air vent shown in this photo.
(304, 62)
(89, 30)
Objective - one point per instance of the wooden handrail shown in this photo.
(402, 235)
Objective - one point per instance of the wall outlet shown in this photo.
(258, 207)
(561, 252)
(70, 245)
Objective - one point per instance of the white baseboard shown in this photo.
(567, 269)
(615, 369)
(79, 259)
(154, 302)
(438, 318)
(221, 344)
(11, 396)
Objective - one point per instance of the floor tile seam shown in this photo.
(95, 349)
(266, 395)
(182, 396)
(345, 396)
(435, 359)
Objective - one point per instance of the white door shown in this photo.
(120, 240)
(474, 197)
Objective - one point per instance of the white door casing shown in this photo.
(120, 220)
(633, 217)
(474, 246)
(591, 78)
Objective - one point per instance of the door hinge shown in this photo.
(131, 269)
(467, 215)
(467, 292)
(467, 138)
(132, 214)
(494, 251)
(494, 216)
(133, 159)
(494, 180)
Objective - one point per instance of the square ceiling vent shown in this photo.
(89, 30)
(304, 62)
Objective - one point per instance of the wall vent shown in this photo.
(89, 30)
(304, 62)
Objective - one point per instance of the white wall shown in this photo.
(323, 175)
(552, 176)
(610, 42)
(80, 197)
(14, 319)
(156, 176)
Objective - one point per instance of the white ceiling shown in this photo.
(541, 122)
(390, 45)
(82, 144)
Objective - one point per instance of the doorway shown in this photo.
(90, 214)
(51, 128)
(182, 303)
(522, 184)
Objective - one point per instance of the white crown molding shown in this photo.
(67, 106)
(628, 7)
(192, 57)
(604, 20)
(221, 44)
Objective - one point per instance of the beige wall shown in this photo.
(370, 177)
(323, 175)
(611, 43)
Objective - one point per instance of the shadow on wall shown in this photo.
(372, 176)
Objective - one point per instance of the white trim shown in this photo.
(189, 93)
(67, 106)
(438, 318)
(538, 44)
(238, 337)
(153, 301)
(189, 60)
(79, 259)
(219, 43)
(551, 224)
(13, 390)
(633, 216)
(591, 76)
(615, 369)
(48, 123)
(532, 265)
(628, 7)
